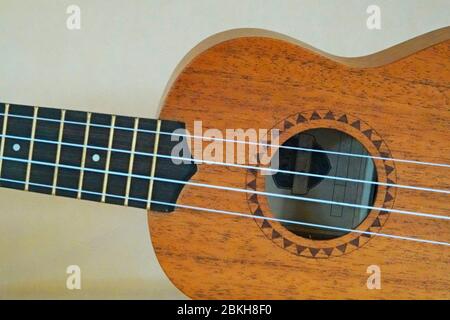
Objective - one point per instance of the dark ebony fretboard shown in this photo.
(91, 156)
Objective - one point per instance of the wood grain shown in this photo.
(258, 82)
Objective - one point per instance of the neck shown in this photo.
(91, 156)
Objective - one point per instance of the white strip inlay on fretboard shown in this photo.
(30, 150)
(58, 151)
(83, 158)
(153, 169)
(108, 157)
(131, 162)
(2, 144)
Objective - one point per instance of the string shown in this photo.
(445, 165)
(242, 166)
(225, 188)
(239, 214)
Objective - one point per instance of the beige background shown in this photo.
(120, 62)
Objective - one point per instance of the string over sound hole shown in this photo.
(325, 172)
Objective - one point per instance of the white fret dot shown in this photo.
(96, 158)
(16, 147)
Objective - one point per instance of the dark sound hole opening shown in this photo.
(314, 187)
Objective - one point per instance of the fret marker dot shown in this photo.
(96, 158)
(16, 147)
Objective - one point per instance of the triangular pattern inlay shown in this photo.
(314, 251)
(301, 119)
(275, 234)
(329, 116)
(388, 197)
(328, 251)
(300, 249)
(252, 184)
(258, 212)
(366, 235)
(388, 169)
(315, 116)
(286, 243)
(356, 124)
(342, 247)
(265, 224)
(368, 133)
(377, 144)
(253, 198)
(376, 223)
(287, 125)
(343, 119)
(355, 242)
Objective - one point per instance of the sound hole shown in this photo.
(317, 187)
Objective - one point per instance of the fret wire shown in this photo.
(131, 162)
(83, 157)
(30, 151)
(2, 144)
(153, 168)
(58, 151)
(108, 157)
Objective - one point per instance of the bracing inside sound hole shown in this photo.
(323, 164)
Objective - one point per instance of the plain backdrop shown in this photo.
(120, 61)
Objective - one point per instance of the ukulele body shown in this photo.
(400, 110)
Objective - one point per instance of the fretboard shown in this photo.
(91, 156)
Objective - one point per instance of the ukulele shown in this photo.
(356, 206)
